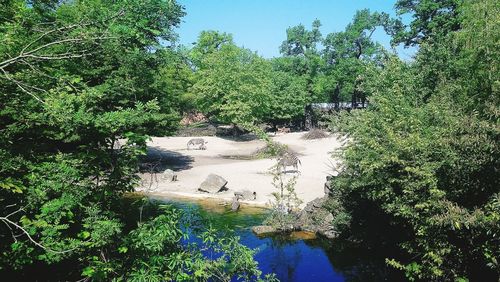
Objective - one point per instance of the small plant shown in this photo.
(272, 149)
(286, 202)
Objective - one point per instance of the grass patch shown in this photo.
(272, 149)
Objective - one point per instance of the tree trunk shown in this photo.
(308, 117)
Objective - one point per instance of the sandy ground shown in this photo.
(193, 166)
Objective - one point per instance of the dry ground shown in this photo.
(193, 166)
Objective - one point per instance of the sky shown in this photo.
(260, 25)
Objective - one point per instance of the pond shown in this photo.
(291, 257)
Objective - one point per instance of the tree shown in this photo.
(209, 42)
(301, 42)
(82, 86)
(288, 96)
(423, 158)
(232, 85)
(301, 58)
(430, 19)
(348, 54)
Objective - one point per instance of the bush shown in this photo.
(272, 149)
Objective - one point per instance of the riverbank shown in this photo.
(229, 159)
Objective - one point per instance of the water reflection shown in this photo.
(289, 256)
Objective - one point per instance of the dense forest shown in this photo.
(84, 84)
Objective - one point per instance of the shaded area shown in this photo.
(158, 160)
(290, 258)
(245, 137)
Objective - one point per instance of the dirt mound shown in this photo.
(315, 134)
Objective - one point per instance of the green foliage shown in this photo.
(209, 42)
(301, 41)
(288, 96)
(154, 251)
(83, 84)
(301, 56)
(431, 19)
(348, 55)
(232, 85)
(424, 157)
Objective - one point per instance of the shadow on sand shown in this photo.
(240, 138)
(158, 160)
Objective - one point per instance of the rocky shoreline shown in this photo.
(314, 218)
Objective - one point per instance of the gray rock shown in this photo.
(317, 204)
(246, 195)
(315, 218)
(328, 188)
(213, 184)
(329, 218)
(262, 230)
(235, 205)
(169, 175)
(330, 234)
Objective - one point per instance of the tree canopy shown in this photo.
(83, 84)
(424, 157)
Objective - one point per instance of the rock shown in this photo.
(303, 235)
(213, 184)
(328, 188)
(169, 175)
(317, 204)
(329, 218)
(246, 195)
(235, 205)
(329, 234)
(315, 218)
(262, 230)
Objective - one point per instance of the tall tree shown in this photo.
(82, 85)
(209, 41)
(430, 18)
(288, 95)
(232, 85)
(349, 53)
(301, 57)
(424, 158)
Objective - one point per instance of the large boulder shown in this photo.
(316, 218)
(213, 184)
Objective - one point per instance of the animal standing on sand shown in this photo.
(200, 142)
(289, 159)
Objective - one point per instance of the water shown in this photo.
(289, 257)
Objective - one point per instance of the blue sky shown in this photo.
(260, 25)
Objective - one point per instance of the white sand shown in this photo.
(195, 165)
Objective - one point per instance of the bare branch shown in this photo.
(47, 33)
(10, 222)
(23, 86)
(31, 54)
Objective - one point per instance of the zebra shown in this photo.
(200, 142)
(289, 159)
